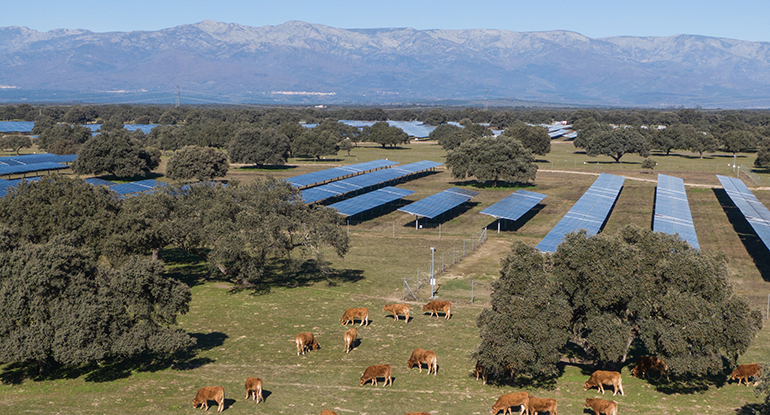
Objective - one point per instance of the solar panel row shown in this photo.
(29, 168)
(672, 210)
(588, 213)
(324, 176)
(371, 200)
(436, 204)
(365, 181)
(753, 210)
(36, 158)
(6, 185)
(514, 205)
(136, 187)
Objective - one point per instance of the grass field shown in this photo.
(242, 334)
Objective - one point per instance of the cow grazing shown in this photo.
(509, 400)
(420, 356)
(328, 412)
(254, 387)
(210, 393)
(377, 371)
(600, 406)
(480, 372)
(353, 314)
(535, 405)
(350, 337)
(439, 306)
(605, 377)
(306, 341)
(396, 310)
(745, 372)
(649, 363)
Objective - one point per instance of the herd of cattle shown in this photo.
(532, 405)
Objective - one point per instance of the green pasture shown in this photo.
(242, 333)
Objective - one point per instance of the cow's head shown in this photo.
(316, 345)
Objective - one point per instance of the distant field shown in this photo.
(241, 334)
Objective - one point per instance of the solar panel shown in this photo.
(29, 168)
(371, 200)
(411, 128)
(365, 181)
(588, 213)
(6, 185)
(323, 176)
(753, 210)
(136, 187)
(672, 210)
(36, 158)
(436, 204)
(16, 126)
(96, 181)
(514, 206)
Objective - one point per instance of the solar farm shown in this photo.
(241, 334)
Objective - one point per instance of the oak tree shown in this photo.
(492, 159)
(200, 163)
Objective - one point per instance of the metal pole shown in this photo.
(471, 291)
(498, 226)
(432, 279)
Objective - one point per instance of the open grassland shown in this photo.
(241, 334)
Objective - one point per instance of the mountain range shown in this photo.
(303, 63)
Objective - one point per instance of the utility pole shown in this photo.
(177, 104)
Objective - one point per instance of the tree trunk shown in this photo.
(155, 254)
(631, 337)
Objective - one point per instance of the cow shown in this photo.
(353, 314)
(600, 406)
(397, 309)
(254, 387)
(648, 363)
(377, 371)
(420, 356)
(328, 412)
(605, 377)
(509, 400)
(745, 372)
(306, 341)
(535, 405)
(350, 338)
(439, 306)
(480, 372)
(210, 393)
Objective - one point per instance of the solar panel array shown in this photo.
(36, 158)
(97, 181)
(336, 173)
(514, 205)
(371, 200)
(6, 185)
(136, 187)
(365, 181)
(589, 212)
(16, 126)
(411, 128)
(434, 205)
(30, 168)
(753, 210)
(672, 210)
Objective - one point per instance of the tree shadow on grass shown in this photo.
(113, 369)
(751, 409)
(490, 184)
(287, 274)
(184, 266)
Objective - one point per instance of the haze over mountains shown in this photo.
(302, 63)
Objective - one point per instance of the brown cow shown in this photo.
(305, 342)
(745, 372)
(509, 400)
(480, 372)
(377, 371)
(254, 387)
(353, 314)
(535, 405)
(600, 406)
(605, 377)
(397, 309)
(210, 393)
(350, 337)
(439, 306)
(328, 412)
(420, 356)
(648, 363)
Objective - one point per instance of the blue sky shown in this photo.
(742, 19)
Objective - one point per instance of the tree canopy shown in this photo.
(533, 137)
(494, 159)
(200, 163)
(15, 142)
(316, 143)
(259, 146)
(614, 290)
(616, 143)
(384, 134)
(115, 153)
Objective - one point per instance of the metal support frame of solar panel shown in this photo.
(514, 206)
(435, 205)
(323, 176)
(365, 181)
(753, 210)
(135, 187)
(672, 210)
(371, 200)
(589, 212)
